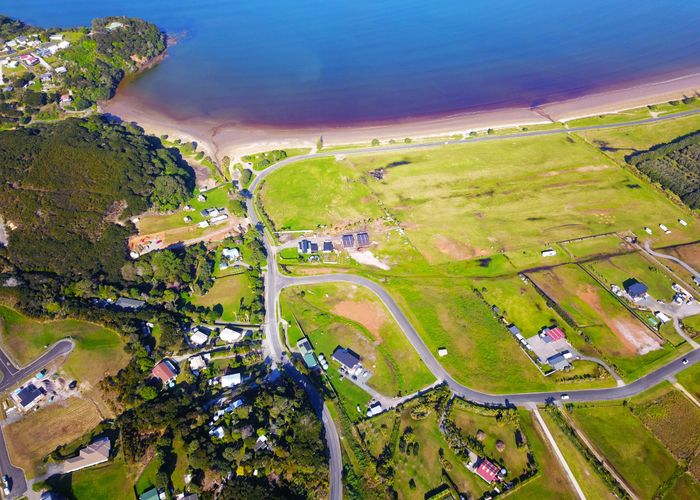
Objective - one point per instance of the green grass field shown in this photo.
(97, 351)
(334, 315)
(588, 479)
(227, 292)
(104, 482)
(690, 379)
(465, 201)
(601, 245)
(622, 141)
(629, 115)
(633, 450)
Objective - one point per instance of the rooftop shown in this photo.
(487, 471)
(346, 357)
(165, 371)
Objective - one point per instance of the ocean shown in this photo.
(312, 62)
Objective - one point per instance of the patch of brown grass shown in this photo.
(33, 437)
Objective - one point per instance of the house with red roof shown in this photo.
(165, 371)
(487, 471)
(556, 333)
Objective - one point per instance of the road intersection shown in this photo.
(275, 282)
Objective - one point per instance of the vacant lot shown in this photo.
(29, 440)
(632, 450)
(334, 315)
(674, 420)
(98, 351)
(103, 482)
(690, 378)
(466, 201)
(614, 332)
(601, 245)
(690, 254)
(228, 292)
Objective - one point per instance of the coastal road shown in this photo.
(12, 376)
(275, 282)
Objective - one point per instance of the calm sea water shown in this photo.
(303, 62)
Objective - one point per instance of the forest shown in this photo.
(69, 188)
(675, 166)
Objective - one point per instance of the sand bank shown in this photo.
(234, 139)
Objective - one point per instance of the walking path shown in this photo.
(557, 452)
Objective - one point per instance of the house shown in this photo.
(307, 353)
(347, 359)
(199, 362)
(29, 59)
(662, 317)
(165, 371)
(305, 246)
(261, 443)
(314, 247)
(114, 25)
(487, 470)
(348, 241)
(209, 212)
(95, 453)
(129, 304)
(152, 494)
(203, 224)
(513, 329)
(66, 99)
(46, 77)
(201, 197)
(218, 218)
(374, 409)
(63, 44)
(635, 289)
(550, 252)
(56, 37)
(558, 361)
(230, 336)
(198, 337)
(362, 239)
(554, 333)
(217, 433)
(231, 253)
(230, 380)
(28, 396)
(442, 352)
(327, 246)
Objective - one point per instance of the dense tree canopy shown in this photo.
(676, 166)
(69, 187)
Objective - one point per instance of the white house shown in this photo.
(198, 338)
(230, 336)
(231, 253)
(231, 380)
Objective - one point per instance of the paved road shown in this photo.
(684, 265)
(274, 283)
(12, 376)
(440, 373)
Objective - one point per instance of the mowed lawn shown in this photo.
(465, 201)
(104, 482)
(98, 351)
(351, 316)
(690, 379)
(632, 450)
(37, 434)
(227, 292)
(318, 192)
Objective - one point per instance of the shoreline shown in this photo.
(233, 139)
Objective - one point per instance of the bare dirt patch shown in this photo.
(592, 168)
(456, 249)
(627, 330)
(369, 314)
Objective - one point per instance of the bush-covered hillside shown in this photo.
(68, 187)
(98, 62)
(676, 166)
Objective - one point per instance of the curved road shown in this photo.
(275, 282)
(12, 376)
(678, 261)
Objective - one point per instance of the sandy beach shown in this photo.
(234, 139)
